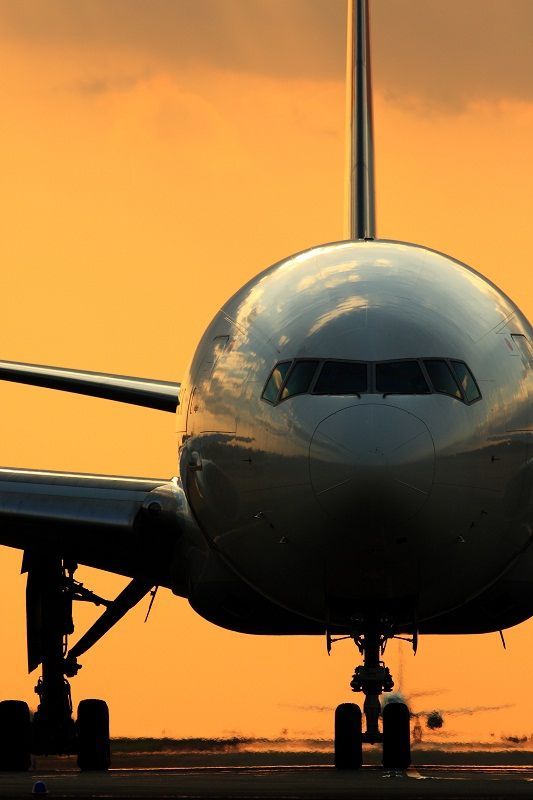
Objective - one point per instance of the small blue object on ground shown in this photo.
(39, 788)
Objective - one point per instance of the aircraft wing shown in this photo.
(162, 395)
(125, 525)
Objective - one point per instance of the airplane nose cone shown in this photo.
(372, 463)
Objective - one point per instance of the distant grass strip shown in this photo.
(234, 744)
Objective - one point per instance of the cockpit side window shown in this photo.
(442, 377)
(275, 382)
(400, 377)
(299, 379)
(467, 381)
(342, 377)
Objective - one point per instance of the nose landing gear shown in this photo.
(372, 678)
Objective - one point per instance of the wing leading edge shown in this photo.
(161, 395)
(130, 526)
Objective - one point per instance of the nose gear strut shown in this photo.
(372, 678)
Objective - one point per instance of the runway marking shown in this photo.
(414, 773)
(395, 774)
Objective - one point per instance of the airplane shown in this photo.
(434, 719)
(355, 442)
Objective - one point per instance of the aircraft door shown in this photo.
(521, 416)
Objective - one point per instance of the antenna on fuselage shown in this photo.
(360, 206)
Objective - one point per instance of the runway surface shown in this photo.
(282, 783)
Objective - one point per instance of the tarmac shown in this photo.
(306, 782)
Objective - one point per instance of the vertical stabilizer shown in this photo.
(361, 217)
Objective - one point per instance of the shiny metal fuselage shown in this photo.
(335, 508)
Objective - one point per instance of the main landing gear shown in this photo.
(50, 593)
(372, 678)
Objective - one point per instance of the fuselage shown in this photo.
(387, 494)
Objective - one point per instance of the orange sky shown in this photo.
(140, 186)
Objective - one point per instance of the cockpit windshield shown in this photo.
(441, 377)
(466, 381)
(400, 377)
(299, 379)
(275, 382)
(342, 377)
(408, 376)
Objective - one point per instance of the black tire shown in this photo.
(92, 728)
(15, 736)
(396, 736)
(348, 737)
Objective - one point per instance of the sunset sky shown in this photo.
(156, 154)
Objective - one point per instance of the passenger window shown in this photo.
(400, 377)
(275, 382)
(442, 378)
(342, 377)
(466, 381)
(299, 379)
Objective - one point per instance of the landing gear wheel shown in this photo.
(348, 737)
(396, 736)
(93, 735)
(15, 736)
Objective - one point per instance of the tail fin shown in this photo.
(361, 216)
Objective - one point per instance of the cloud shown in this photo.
(451, 52)
(274, 37)
(432, 52)
(99, 86)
